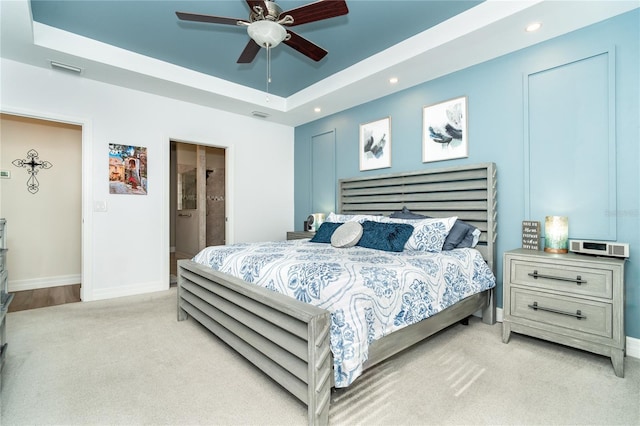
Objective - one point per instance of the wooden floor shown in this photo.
(173, 266)
(42, 297)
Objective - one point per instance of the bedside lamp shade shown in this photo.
(556, 234)
(314, 221)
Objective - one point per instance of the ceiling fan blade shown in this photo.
(323, 9)
(305, 47)
(249, 53)
(185, 16)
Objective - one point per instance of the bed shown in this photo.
(290, 340)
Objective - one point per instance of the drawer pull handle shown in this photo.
(578, 279)
(578, 313)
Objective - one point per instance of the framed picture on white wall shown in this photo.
(375, 144)
(444, 132)
(127, 169)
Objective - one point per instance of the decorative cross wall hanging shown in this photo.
(32, 164)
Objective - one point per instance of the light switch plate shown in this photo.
(99, 206)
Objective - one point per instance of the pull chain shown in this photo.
(268, 69)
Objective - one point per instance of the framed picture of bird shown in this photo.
(375, 144)
(444, 131)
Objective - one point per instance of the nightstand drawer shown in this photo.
(572, 314)
(576, 280)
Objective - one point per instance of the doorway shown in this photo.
(197, 200)
(44, 224)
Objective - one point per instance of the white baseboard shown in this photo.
(132, 290)
(633, 347)
(632, 344)
(46, 282)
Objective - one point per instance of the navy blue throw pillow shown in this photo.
(324, 233)
(405, 213)
(460, 236)
(385, 236)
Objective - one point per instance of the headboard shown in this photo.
(468, 192)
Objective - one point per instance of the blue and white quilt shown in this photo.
(370, 293)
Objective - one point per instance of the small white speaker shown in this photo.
(599, 248)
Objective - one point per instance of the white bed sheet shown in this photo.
(370, 293)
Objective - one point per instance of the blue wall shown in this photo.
(496, 134)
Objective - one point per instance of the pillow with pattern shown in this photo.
(461, 234)
(428, 234)
(343, 218)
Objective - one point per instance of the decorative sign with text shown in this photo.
(530, 235)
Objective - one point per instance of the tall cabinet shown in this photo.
(5, 297)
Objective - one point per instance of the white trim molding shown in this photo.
(45, 282)
(131, 290)
(633, 347)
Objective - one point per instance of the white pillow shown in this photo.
(343, 218)
(347, 235)
(428, 234)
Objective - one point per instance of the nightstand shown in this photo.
(573, 299)
(298, 235)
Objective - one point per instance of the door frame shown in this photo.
(86, 246)
(228, 198)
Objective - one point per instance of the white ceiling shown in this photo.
(488, 30)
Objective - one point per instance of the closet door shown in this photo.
(570, 138)
(323, 173)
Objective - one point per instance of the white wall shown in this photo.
(126, 249)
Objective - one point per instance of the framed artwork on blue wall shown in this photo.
(375, 144)
(445, 135)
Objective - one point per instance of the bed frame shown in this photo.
(288, 339)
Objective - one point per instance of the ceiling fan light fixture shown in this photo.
(267, 33)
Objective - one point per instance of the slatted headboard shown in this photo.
(468, 192)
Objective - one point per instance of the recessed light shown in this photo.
(317, 109)
(393, 80)
(535, 26)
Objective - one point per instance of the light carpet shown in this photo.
(128, 361)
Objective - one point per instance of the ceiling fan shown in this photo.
(267, 22)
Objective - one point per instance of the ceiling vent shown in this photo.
(65, 67)
(259, 114)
